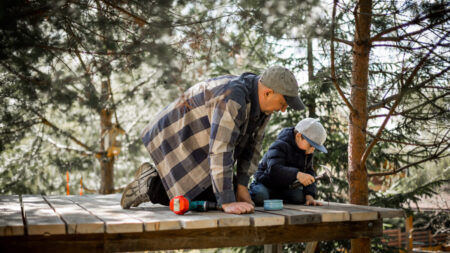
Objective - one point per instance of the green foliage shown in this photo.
(55, 55)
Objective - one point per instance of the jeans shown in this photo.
(260, 192)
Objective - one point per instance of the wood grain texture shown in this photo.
(326, 214)
(356, 214)
(383, 212)
(297, 217)
(40, 217)
(77, 219)
(115, 218)
(262, 219)
(11, 222)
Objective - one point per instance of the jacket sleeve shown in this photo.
(277, 173)
(310, 189)
(247, 165)
(227, 117)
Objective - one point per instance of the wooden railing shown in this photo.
(399, 239)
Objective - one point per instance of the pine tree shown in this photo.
(415, 86)
(74, 75)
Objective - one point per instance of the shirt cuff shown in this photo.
(243, 179)
(225, 197)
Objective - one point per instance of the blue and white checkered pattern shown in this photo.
(195, 141)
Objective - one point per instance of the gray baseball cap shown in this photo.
(282, 81)
(313, 132)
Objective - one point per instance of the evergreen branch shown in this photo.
(135, 88)
(399, 38)
(412, 22)
(432, 157)
(138, 20)
(333, 70)
(48, 123)
(71, 50)
(60, 146)
(382, 103)
(403, 91)
(397, 199)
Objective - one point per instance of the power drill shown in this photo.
(181, 205)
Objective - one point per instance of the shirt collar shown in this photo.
(255, 109)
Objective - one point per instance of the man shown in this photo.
(195, 141)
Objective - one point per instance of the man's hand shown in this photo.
(242, 194)
(311, 202)
(238, 207)
(305, 179)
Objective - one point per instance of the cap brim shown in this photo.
(295, 103)
(321, 148)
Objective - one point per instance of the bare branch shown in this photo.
(399, 38)
(412, 22)
(382, 103)
(48, 123)
(333, 70)
(417, 144)
(60, 146)
(403, 91)
(344, 41)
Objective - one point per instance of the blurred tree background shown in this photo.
(80, 79)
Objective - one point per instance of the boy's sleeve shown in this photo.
(278, 174)
(310, 189)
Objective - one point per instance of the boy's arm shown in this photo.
(277, 174)
(310, 189)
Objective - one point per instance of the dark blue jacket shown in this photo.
(280, 165)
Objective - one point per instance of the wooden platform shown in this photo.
(96, 223)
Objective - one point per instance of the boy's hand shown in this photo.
(305, 179)
(311, 202)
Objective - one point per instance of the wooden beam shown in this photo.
(193, 239)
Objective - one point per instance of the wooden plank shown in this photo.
(225, 219)
(327, 215)
(190, 220)
(294, 216)
(383, 212)
(77, 219)
(262, 219)
(115, 218)
(356, 214)
(11, 222)
(155, 217)
(40, 217)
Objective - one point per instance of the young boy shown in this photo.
(288, 159)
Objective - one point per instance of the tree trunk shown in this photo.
(310, 59)
(106, 163)
(357, 173)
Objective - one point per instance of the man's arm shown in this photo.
(226, 120)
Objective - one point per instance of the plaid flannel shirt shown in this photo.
(195, 141)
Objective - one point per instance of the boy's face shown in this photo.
(303, 144)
